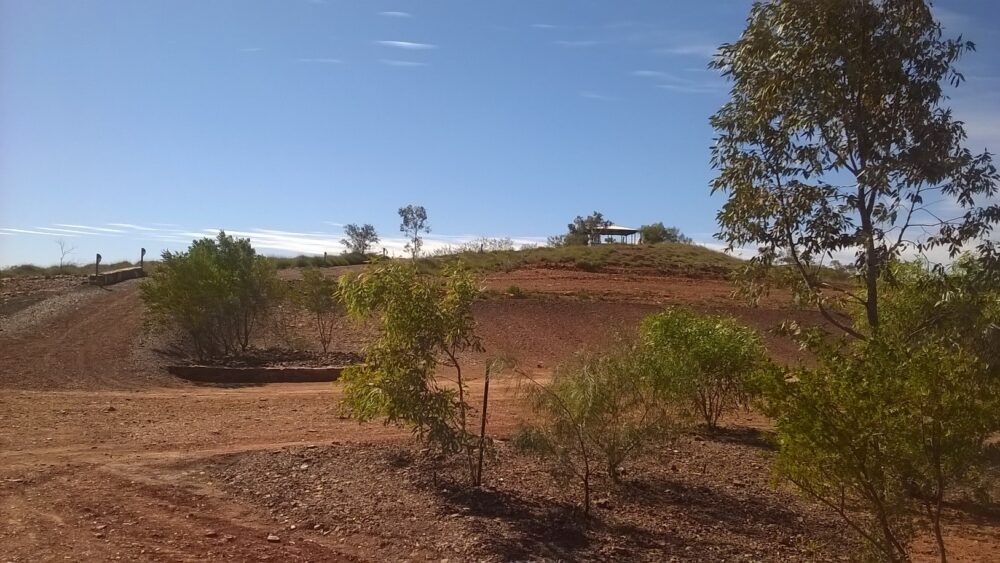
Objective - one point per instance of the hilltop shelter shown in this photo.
(626, 235)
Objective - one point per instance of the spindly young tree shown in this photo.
(837, 137)
(413, 222)
(359, 239)
(599, 409)
(424, 322)
(317, 294)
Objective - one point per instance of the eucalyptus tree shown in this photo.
(838, 137)
(413, 221)
(359, 238)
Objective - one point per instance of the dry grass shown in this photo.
(665, 258)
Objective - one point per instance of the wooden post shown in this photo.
(142, 257)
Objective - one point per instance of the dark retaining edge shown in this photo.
(221, 374)
(115, 276)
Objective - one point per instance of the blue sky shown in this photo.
(146, 123)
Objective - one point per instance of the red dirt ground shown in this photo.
(103, 456)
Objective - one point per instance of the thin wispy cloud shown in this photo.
(407, 45)
(87, 228)
(131, 226)
(265, 240)
(71, 231)
(395, 62)
(648, 74)
(12, 230)
(687, 89)
(591, 95)
(392, 14)
(319, 60)
(674, 83)
(542, 26)
(706, 50)
(251, 49)
(579, 43)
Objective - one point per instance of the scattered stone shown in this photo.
(603, 503)
(211, 534)
(109, 408)
(273, 538)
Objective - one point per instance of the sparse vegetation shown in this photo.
(215, 293)
(515, 292)
(303, 261)
(68, 269)
(665, 258)
(65, 250)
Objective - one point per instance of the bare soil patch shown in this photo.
(29, 301)
(703, 498)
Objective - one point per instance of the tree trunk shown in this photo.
(482, 429)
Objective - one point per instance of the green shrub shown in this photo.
(216, 293)
(598, 409)
(713, 360)
(881, 429)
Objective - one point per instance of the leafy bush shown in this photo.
(657, 233)
(216, 293)
(317, 294)
(881, 429)
(600, 408)
(713, 360)
(423, 322)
